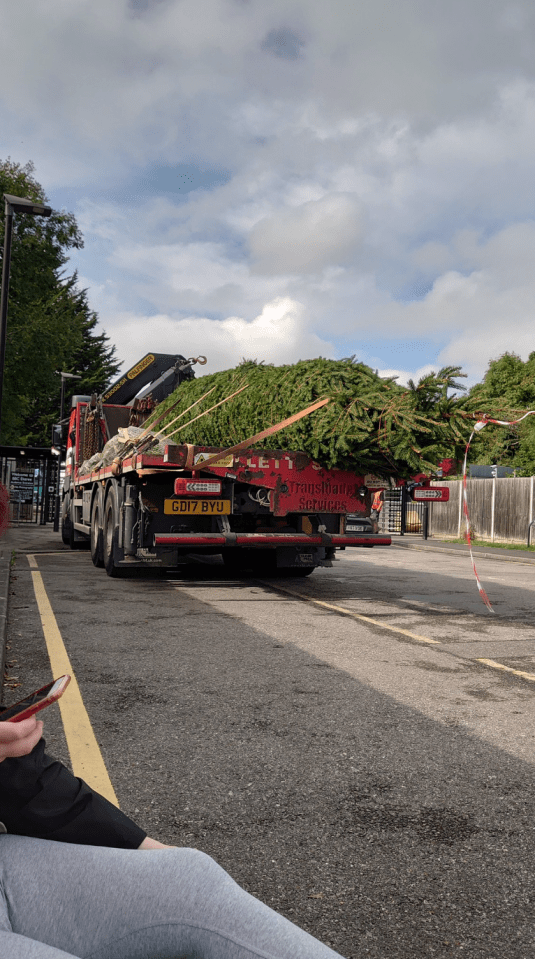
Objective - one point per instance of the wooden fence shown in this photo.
(500, 509)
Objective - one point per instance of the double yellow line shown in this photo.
(86, 757)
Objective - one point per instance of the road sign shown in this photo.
(375, 482)
(440, 494)
(21, 486)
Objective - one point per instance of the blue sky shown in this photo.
(283, 180)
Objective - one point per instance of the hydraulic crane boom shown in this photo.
(167, 369)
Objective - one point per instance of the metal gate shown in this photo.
(401, 515)
(30, 475)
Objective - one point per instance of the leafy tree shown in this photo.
(506, 392)
(50, 325)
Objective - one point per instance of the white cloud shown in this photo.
(403, 376)
(277, 335)
(112, 87)
(484, 312)
(309, 237)
(379, 171)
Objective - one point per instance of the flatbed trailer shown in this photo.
(273, 511)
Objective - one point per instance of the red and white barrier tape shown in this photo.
(479, 426)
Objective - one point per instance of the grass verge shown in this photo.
(484, 542)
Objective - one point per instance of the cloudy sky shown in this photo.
(284, 180)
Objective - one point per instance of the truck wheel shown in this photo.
(110, 533)
(68, 532)
(97, 551)
(65, 521)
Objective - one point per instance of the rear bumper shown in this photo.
(269, 539)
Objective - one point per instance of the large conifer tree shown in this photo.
(50, 324)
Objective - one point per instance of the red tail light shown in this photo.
(193, 487)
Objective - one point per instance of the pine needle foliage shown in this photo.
(372, 424)
(50, 325)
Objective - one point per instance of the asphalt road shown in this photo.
(357, 768)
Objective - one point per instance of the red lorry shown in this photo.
(273, 511)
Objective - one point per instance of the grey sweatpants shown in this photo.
(59, 900)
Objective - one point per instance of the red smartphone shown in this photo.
(35, 701)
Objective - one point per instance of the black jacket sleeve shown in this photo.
(39, 797)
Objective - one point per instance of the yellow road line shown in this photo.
(507, 669)
(42, 552)
(395, 629)
(86, 757)
(349, 612)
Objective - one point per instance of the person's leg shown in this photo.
(13, 946)
(100, 903)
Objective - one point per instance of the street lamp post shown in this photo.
(14, 204)
(64, 376)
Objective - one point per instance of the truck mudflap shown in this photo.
(269, 539)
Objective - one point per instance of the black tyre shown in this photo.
(65, 532)
(68, 532)
(111, 533)
(96, 541)
(65, 520)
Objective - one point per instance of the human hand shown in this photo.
(149, 843)
(18, 739)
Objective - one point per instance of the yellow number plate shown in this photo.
(197, 507)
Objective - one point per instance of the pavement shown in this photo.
(30, 537)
